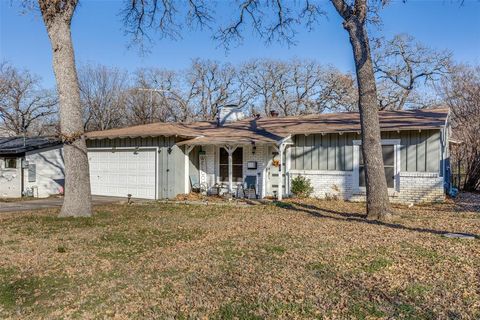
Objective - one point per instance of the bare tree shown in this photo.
(307, 80)
(403, 67)
(102, 90)
(461, 92)
(57, 17)
(155, 97)
(258, 77)
(281, 82)
(280, 24)
(338, 91)
(297, 87)
(212, 85)
(25, 108)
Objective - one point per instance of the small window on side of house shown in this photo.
(388, 153)
(10, 163)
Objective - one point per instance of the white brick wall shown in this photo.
(414, 187)
(10, 180)
(259, 156)
(327, 183)
(420, 187)
(211, 153)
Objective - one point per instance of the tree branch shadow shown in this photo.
(358, 217)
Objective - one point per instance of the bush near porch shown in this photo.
(302, 187)
(297, 259)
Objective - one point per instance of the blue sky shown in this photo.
(99, 38)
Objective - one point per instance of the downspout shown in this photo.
(22, 177)
(446, 152)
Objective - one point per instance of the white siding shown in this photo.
(10, 180)
(49, 169)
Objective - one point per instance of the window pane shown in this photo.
(360, 161)
(389, 175)
(388, 155)
(361, 176)
(237, 156)
(223, 156)
(10, 163)
(223, 172)
(237, 173)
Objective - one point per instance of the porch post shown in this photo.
(230, 173)
(187, 168)
(281, 148)
(230, 150)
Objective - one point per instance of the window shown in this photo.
(388, 152)
(10, 163)
(237, 165)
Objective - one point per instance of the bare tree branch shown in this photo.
(404, 66)
(25, 108)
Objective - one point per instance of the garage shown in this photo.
(120, 172)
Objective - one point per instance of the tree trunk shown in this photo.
(77, 201)
(378, 205)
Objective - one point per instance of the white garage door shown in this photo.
(123, 172)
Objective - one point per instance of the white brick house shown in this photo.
(162, 160)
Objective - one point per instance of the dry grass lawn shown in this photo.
(315, 259)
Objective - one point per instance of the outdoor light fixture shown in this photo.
(254, 147)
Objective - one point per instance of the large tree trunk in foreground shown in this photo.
(378, 204)
(57, 15)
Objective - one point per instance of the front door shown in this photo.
(273, 172)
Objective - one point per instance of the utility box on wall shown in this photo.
(252, 165)
(32, 172)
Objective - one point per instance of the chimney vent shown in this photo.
(229, 113)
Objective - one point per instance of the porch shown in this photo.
(249, 169)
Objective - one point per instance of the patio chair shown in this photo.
(196, 186)
(250, 187)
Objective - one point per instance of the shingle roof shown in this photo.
(264, 130)
(186, 130)
(19, 145)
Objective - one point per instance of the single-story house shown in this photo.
(31, 167)
(264, 154)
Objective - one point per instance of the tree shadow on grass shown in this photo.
(358, 217)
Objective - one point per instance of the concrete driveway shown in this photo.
(36, 204)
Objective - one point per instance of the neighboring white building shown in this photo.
(31, 167)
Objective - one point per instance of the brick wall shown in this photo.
(327, 183)
(413, 187)
(259, 157)
(212, 164)
(420, 187)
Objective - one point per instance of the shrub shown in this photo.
(301, 187)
